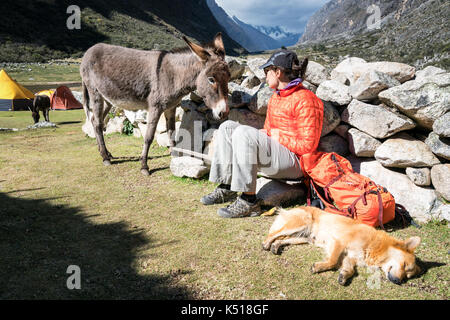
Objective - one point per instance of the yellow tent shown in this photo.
(47, 93)
(12, 95)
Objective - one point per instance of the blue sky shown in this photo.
(291, 14)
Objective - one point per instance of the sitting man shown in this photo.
(292, 128)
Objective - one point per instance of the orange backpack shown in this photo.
(346, 192)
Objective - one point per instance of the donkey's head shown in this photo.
(212, 82)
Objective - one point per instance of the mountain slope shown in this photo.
(412, 31)
(33, 31)
(245, 34)
(283, 37)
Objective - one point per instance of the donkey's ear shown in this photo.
(199, 51)
(219, 48)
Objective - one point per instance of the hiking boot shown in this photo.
(241, 208)
(219, 195)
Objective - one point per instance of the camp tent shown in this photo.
(12, 95)
(47, 93)
(63, 99)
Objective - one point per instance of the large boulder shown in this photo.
(259, 101)
(417, 200)
(331, 118)
(276, 193)
(400, 71)
(335, 92)
(439, 146)
(375, 120)
(424, 100)
(316, 73)
(188, 167)
(333, 143)
(247, 117)
(236, 68)
(429, 71)
(254, 64)
(370, 84)
(189, 135)
(136, 116)
(440, 176)
(402, 151)
(251, 81)
(442, 125)
(361, 144)
(349, 70)
(115, 125)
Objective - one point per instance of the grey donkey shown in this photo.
(155, 81)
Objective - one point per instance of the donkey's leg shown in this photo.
(152, 121)
(46, 112)
(106, 108)
(97, 123)
(170, 124)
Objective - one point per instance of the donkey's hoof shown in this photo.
(106, 162)
(145, 172)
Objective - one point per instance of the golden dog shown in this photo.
(347, 243)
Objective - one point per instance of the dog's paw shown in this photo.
(275, 249)
(342, 280)
(314, 269)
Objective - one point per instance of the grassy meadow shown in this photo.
(137, 237)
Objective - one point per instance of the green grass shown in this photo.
(44, 72)
(137, 237)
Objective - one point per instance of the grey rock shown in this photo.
(259, 101)
(429, 71)
(316, 73)
(441, 211)
(424, 100)
(275, 193)
(370, 84)
(440, 177)
(402, 151)
(136, 116)
(335, 92)
(361, 144)
(246, 117)
(442, 125)
(342, 130)
(309, 86)
(236, 69)
(254, 64)
(331, 118)
(400, 71)
(439, 146)
(375, 120)
(420, 176)
(250, 82)
(115, 125)
(333, 143)
(188, 167)
(349, 70)
(189, 135)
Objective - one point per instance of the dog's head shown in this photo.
(400, 262)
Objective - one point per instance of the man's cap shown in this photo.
(281, 58)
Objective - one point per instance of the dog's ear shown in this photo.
(412, 243)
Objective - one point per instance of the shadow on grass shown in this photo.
(135, 159)
(67, 122)
(39, 240)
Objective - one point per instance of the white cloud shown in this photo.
(291, 14)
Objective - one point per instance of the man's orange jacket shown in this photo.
(296, 116)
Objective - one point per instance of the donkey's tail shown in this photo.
(86, 101)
